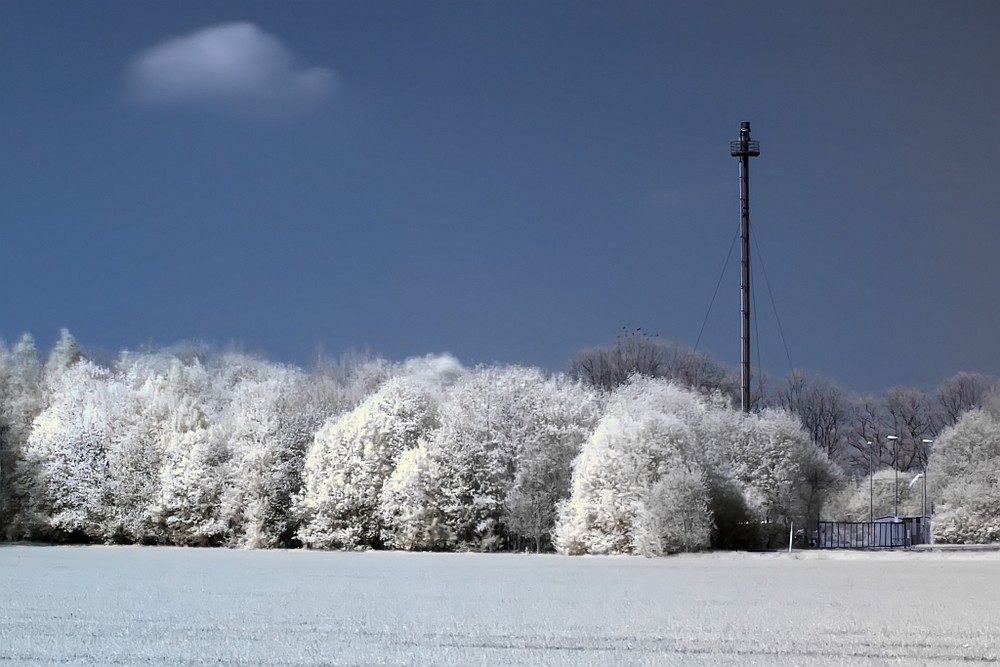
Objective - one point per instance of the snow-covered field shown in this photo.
(170, 606)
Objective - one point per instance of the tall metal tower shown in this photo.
(744, 149)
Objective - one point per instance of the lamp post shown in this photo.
(928, 508)
(923, 503)
(895, 465)
(871, 482)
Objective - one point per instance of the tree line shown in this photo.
(841, 423)
(636, 448)
(881, 444)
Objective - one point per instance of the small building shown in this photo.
(918, 528)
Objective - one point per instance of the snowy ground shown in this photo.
(165, 606)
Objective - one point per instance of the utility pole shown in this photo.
(744, 149)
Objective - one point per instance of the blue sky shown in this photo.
(507, 182)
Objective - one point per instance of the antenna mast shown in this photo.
(744, 149)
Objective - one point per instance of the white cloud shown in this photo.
(231, 63)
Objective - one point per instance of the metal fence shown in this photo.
(868, 534)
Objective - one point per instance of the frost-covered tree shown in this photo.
(720, 430)
(567, 413)
(164, 448)
(21, 399)
(66, 457)
(134, 454)
(964, 477)
(189, 446)
(350, 459)
(268, 425)
(489, 420)
(344, 383)
(764, 459)
(667, 469)
(786, 478)
(635, 353)
(22, 390)
(94, 456)
(639, 476)
(963, 392)
(187, 507)
(493, 471)
(64, 355)
(410, 504)
(675, 515)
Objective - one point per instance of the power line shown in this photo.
(774, 307)
(722, 275)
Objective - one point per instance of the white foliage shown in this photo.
(433, 372)
(22, 388)
(674, 516)
(94, 455)
(763, 459)
(21, 400)
(664, 463)
(192, 481)
(568, 412)
(352, 379)
(66, 352)
(165, 450)
(618, 503)
(964, 475)
(496, 467)
(187, 507)
(67, 455)
(193, 447)
(486, 422)
(409, 510)
(351, 458)
(269, 426)
(786, 477)
(176, 403)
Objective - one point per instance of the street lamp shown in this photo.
(923, 503)
(871, 483)
(925, 519)
(895, 465)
